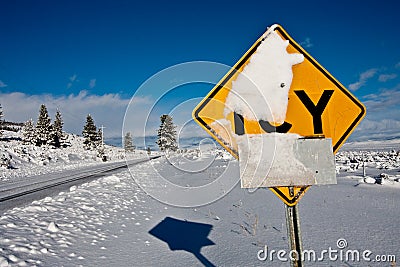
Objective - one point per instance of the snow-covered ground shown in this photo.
(30, 160)
(371, 167)
(113, 222)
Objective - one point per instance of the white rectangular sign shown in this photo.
(271, 160)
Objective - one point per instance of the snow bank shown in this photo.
(111, 180)
(374, 162)
(369, 180)
(97, 224)
(25, 160)
(52, 227)
(69, 228)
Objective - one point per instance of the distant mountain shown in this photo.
(393, 144)
(357, 140)
(150, 141)
(360, 136)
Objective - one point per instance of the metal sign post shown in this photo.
(294, 234)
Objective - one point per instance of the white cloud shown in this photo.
(377, 130)
(307, 43)
(377, 126)
(355, 86)
(92, 83)
(2, 84)
(383, 115)
(73, 78)
(386, 99)
(107, 110)
(387, 77)
(366, 75)
(397, 65)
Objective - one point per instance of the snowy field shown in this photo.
(30, 160)
(113, 222)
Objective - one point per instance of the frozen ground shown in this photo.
(30, 160)
(107, 222)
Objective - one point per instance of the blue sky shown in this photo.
(91, 56)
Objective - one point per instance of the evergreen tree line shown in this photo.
(166, 137)
(45, 132)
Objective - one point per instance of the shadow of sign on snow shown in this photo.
(184, 235)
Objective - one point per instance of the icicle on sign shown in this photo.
(310, 102)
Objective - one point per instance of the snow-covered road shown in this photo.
(106, 222)
(30, 188)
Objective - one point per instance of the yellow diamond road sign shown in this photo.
(318, 105)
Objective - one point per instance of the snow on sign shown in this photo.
(277, 89)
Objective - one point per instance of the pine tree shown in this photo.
(28, 132)
(167, 134)
(57, 130)
(1, 121)
(128, 142)
(5, 160)
(90, 133)
(43, 127)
